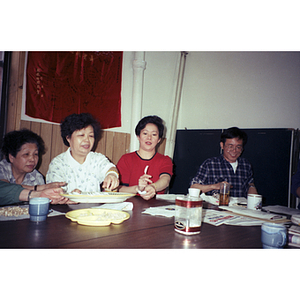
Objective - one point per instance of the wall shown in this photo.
(244, 89)
(159, 86)
(220, 89)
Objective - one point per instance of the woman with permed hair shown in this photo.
(21, 150)
(82, 169)
(145, 171)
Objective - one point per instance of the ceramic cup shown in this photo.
(38, 209)
(194, 192)
(273, 236)
(254, 201)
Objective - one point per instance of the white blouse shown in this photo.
(86, 177)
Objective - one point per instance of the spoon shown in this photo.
(146, 169)
(145, 172)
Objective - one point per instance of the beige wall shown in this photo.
(220, 89)
(246, 89)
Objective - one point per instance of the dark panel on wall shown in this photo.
(192, 147)
(268, 150)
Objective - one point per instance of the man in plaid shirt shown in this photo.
(228, 167)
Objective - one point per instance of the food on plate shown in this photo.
(103, 215)
(97, 216)
(14, 211)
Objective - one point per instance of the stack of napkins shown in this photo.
(166, 211)
(117, 206)
(210, 199)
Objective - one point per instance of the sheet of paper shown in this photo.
(166, 211)
(117, 206)
(252, 213)
(281, 210)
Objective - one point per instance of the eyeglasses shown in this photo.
(237, 148)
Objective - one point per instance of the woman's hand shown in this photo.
(55, 196)
(111, 182)
(150, 192)
(144, 181)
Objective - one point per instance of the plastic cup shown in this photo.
(224, 193)
(38, 209)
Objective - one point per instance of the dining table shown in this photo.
(140, 231)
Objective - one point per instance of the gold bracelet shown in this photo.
(112, 172)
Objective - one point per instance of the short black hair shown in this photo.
(14, 140)
(234, 132)
(153, 120)
(77, 122)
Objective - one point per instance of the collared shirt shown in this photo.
(218, 169)
(86, 177)
(32, 178)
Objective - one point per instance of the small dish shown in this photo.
(97, 216)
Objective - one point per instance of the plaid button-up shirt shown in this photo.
(218, 169)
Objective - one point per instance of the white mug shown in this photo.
(254, 201)
(273, 235)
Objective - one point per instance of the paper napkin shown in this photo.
(166, 211)
(117, 206)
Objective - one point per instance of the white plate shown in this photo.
(168, 197)
(99, 197)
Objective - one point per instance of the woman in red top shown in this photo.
(145, 171)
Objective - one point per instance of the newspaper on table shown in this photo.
(217, 218)
(209, 216)
(253, 213)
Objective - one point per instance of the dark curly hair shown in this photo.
(153, 120)
(14, 140)
(77, 122)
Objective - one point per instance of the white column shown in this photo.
(139, 65)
